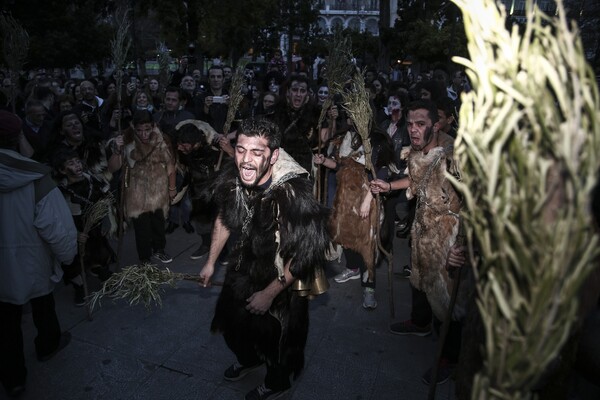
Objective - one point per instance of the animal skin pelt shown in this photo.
(147, 175)
(346, 227)
(434, 229)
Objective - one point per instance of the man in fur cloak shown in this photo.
(266, 203)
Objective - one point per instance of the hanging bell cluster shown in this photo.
(311, 289)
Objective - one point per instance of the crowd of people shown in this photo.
(162, 153)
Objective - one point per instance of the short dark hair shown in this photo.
(219, 67)
(171, 89)
(446, 105)
(189, 133)
(425, 105)
(260, 127)
(298, 78)
(142, 117)
(61, 156)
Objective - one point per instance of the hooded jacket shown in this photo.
(37, 232)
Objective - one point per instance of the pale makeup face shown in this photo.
(394, 105)
(254, 160)
(322, 94)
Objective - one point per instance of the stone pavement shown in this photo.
(128, 352)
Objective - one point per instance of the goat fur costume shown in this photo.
(435, 227)
(288, 206)
(148, 166)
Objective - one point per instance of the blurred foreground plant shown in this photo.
(528, 147)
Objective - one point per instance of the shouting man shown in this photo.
(266, 202)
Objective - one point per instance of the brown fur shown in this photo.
(346, 226)
(435, 228)
(146, 181)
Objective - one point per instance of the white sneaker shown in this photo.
(346, 275)
(369, 301)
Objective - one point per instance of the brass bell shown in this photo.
(318, 285)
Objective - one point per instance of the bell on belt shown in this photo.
(318, 285)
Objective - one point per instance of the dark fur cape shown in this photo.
(279, 336)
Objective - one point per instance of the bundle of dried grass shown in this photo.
(338, 70)
(97, 213)
(356, 103)
(140, 283)
(235, 98)
(93, 216)
(529, 147)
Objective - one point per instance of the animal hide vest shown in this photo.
(147, 175)
(435, 227)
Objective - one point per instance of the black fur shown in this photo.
(304, 239)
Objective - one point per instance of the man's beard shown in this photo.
(426, 140)
(261, 171)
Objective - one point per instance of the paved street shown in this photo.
(168, 353)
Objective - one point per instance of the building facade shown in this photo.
(359, 15)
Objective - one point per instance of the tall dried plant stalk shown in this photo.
(163, 64)
(338, 70)
(16, 47)
(92, 217)
(528, 146)
(119, 48)
(235, 98)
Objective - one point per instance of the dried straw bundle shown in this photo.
(119, 47)
(96, 213)
(356, 104)
(339, 69)
(92, 217)
(235, 97)
(528, 146)
(140, 283)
